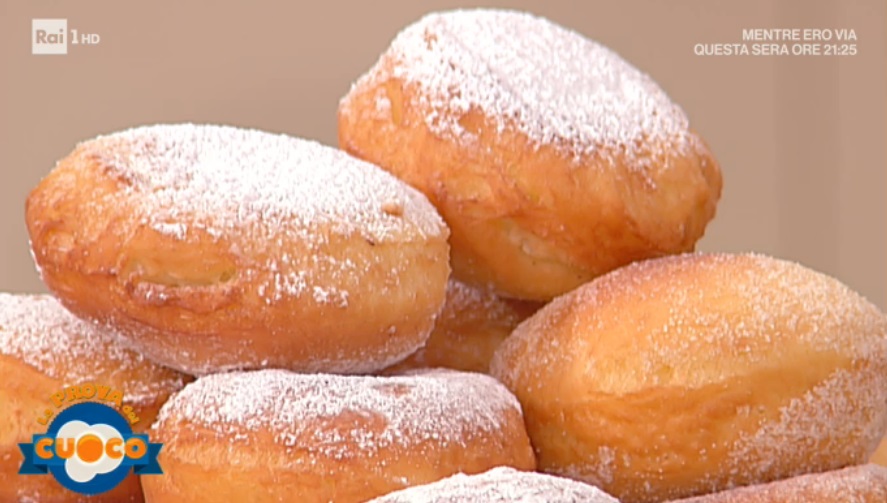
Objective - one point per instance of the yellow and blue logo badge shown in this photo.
(89, 447)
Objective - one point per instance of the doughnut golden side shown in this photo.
(857, 484)
(43, 350)
(280, 436)
(470, 327)
(204, 295)
(693, 374)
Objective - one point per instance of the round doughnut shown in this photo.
(880, 456)
(268, 435)
(470, 327)
(44, 349)
(502, 484)
(857, 484)
(213, 248)
(551, 158)
(691, 374)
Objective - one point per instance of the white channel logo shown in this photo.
(49, 36)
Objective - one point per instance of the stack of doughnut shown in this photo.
(368, 322)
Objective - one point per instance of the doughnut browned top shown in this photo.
(689, 320)
(252, 188)
(272, 434)
(334, 417)
(226, 181)
(555, 85)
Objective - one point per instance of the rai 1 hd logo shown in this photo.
(89, 447)
(52, 36)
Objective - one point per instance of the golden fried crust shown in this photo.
(217, 449)
(692, 374)
(858, 484)
(201, 299)
(532, 221)
(41, 356)
(470, 327)
(880, 456)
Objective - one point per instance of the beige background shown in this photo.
(801, 139)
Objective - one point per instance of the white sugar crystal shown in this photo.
(502, 484)
(40, 332)
(300, 410)
(555, 85)
(257, 187)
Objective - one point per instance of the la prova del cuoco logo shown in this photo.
(89, 446)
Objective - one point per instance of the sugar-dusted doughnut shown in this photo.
(470, 327)
(857, 484)
(502, 484)
(551, 158)
(274, 435)
(691, 374)
(43, 350)
(213, 248)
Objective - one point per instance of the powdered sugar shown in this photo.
(500, 484)
(39, 331)
(255, 187)
(556, 86)
(814, 421)
(305, 410)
